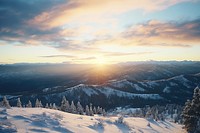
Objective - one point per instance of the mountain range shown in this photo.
(134, 84)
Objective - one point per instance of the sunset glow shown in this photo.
(99, 32)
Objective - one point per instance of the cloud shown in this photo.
(125, 54)
(95, 11)
(70, 57)
(84, 25)
(154, 32)
(14, 16)
(58, 56)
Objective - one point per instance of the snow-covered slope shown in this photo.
(108, 91)
(47, 120)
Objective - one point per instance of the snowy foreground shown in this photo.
(47, 120)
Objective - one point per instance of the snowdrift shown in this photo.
(48, 120)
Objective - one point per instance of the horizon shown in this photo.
(99, 32)
(67, 63)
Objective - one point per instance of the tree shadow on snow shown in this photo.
(45, 121)
(98, 126)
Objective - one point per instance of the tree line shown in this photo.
(65, 106)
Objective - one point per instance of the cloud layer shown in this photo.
(86, 26)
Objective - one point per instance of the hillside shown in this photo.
(48, 120)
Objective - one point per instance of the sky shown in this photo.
(98, 31)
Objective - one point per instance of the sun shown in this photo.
(100, 61)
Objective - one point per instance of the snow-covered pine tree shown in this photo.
(87, 110)
(47, 105)
(73, 108)
(104, 112)
(149, 114)
(5, 102)
(50, 106)
(191, 113)
(19, 104)
(37, 103)
(29, 105)
(40, 104)
(79, 108)
(98, 110)
(67, 107)
(95, 110)
(63, 106)
(91, 110)
(54, 106)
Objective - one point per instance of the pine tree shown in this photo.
(191, 113)
(19, 104)
(50, 106)
(98, 110)
(87, 110)
(5, 102)
(54, 106)
(104, 112)
(95, 110)
(79, 108)
(64, 105)
(29, 105)
(47, 105)
(37, 103)
(91, 111)
(73, 108)
(67, 107)
(40, 104)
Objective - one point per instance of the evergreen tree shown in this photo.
(91, 111)
(47, 105)
(95, 110)
(40, 104)
(87, 110)
(73, 108)
(67, 106)
(104, 112)
(54, 106)
(63, 106)
(79, 108)
(29, 105)
(19, 104)
(5, 102)
(50, 106)
(37, 103)
(98, 110)
(191, 113)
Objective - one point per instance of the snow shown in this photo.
(181, 79)
(166, 90)
(46, 89)
(87, 89)
(109, 91)
(172, 84)
(152, 83)
(47, 120)
(9, 96)
(124, 83)
(138, 88)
